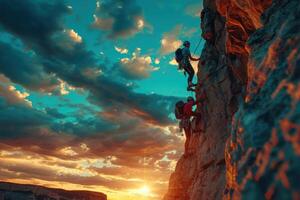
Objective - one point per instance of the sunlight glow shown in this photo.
(145, 190)
(140, 23)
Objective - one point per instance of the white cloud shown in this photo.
(84, 147)
(140, 23)
(63, 88)
(173, 62)
(170, 41)
(121, 50)
(136, 67)
(157, 61)
(98, 4)
(67, 39)
(68, 151)
(74, 36)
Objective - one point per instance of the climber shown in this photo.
(183, 57)
(185, 122)
(187, 65)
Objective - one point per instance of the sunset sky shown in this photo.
(87, 91)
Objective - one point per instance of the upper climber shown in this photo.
(184, 63)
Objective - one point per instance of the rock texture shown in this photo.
(265, 146)
(250, 147)
(11, 191)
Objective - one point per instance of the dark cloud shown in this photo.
(84, 127)
(24, 69)
(34, 23)
(16, 121)
(105, 135)
(39, 26)
(55, 113)
(121, 18)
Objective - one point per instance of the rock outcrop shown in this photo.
(12, 191)
(250, 147)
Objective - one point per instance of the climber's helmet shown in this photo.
(186, 44)
(190, 99)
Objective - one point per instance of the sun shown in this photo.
(145, 190)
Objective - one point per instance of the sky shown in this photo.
(87, 92)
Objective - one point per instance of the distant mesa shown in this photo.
(13, 191)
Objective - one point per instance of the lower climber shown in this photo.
(184, 112)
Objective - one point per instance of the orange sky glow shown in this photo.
(146, 179)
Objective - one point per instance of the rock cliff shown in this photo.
(250, 146)
(12, 191)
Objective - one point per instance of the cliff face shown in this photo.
(251, 141)
(14, 191)
(265, 146)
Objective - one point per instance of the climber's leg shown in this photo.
(189, 69)
(187, 131)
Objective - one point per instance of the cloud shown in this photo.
(194, 10)
(127, 145)
(120, 18)
(173, 62)
(170, 41)
(24, 69)
(74, 36)
(121, 50)
(86, 172)
(70, 64)
(137, 67)
(45, 15)
(12, 96)
(127, 126)
(17, 120)
(55, 113)
(47, 36)
(157, 61)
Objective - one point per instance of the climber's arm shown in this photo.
(200, 99)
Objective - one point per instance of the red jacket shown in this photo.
(188, 109)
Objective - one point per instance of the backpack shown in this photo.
(179, 57)
(179, 109)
